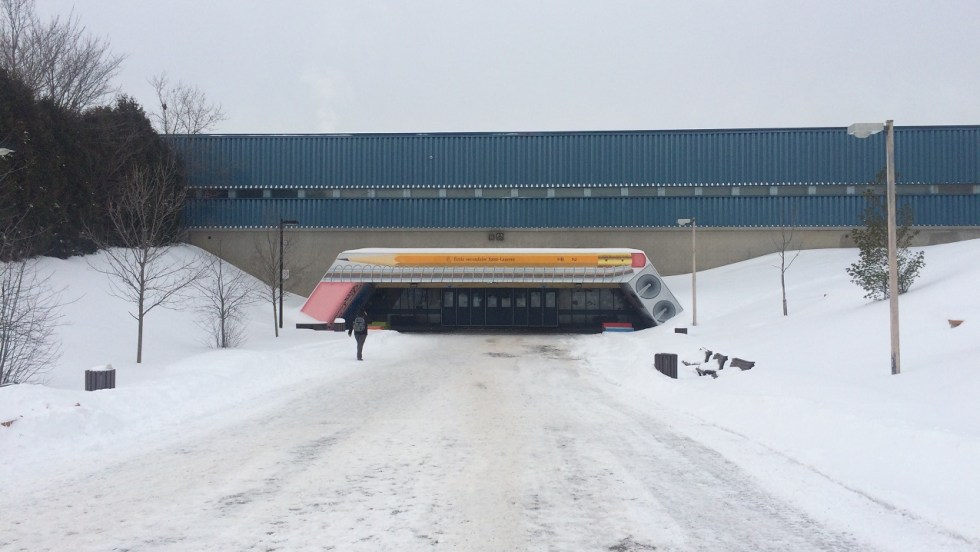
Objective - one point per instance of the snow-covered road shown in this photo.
(483, 442)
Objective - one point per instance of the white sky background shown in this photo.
(294, 66)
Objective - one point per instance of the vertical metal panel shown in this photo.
(739, 211)
(933, 155)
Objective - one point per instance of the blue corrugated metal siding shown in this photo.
(739, 211)
(812, 156)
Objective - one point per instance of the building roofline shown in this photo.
(564, 132)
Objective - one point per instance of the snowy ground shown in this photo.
(504, 442)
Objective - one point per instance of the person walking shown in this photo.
(358, 328)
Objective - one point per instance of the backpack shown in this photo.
(359, 324)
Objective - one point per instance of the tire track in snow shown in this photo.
(482, 443)
(669, 491)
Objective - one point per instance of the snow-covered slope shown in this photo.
(821, 391)
(820, 395)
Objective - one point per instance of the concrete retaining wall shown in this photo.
(309, 252)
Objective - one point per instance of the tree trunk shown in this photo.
(139, 341)
(782, 281)
(140, 303)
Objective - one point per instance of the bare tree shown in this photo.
(5, 170)
(29, 308)
(143, 217)
(266, 263)
(184, 109)
(17, 24)
(58, 60)
(13, 240)
(226, 291)
(788, 248)
(29, 314)
(265, 259)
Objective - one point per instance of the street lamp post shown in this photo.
(694, 266)
(863, 130)
(282, 223)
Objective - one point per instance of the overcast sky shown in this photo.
(297, 66)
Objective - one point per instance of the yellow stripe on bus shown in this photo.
(491, 259)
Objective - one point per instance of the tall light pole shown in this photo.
(282, 223)
(863, 130)
(694, 266)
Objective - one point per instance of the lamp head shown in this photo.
(683, 222)
(4, 152)
(863, 130)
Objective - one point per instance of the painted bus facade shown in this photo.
(455, 289)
